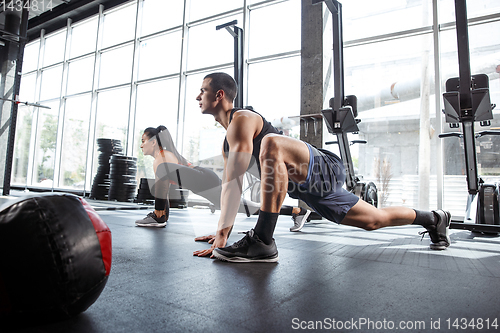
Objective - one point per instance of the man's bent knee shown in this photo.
(269, 147)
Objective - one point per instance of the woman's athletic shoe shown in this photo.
(248, 249)
(299, 220)
(152, 221)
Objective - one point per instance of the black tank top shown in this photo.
(267, 128)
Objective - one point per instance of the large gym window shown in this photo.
(198, 127)
(365, 18)
(152, 111)
(141, 64)
(54, 49)
(116, 66)
(394, 93)
(160, 55)
(83, 38)
(42, 174)
(201, 50)
(21, 158)
(283, 82)
(51, 83)
(30, 60)
(75, 142)
(484, 59)
(274, 29)
(475, 8)
(159, 15)
(80, 75)
(112, 114)
(28, 86)
(119, 25)
(200, 9)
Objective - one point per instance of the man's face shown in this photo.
(207, 98)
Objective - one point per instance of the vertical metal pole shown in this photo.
(17, 84)
(338, 61)
(91, 142)
(470, 156)
(345, 155)
(466, 114)
(61, 116)
(338, 84)
(244, 54)
(437, 92)
(463, 54)
(181, 101)
(238, 65)
(237, 34)
(133, 84)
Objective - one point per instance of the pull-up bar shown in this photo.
(237, 34)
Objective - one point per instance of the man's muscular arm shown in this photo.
(240, 136)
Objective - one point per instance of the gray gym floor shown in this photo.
(326, 272)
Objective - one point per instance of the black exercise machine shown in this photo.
(466, 101)
(341, 117)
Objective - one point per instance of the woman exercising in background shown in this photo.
(170, 167)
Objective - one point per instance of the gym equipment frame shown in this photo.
(341, 117)
(466, 101)
(237, 34)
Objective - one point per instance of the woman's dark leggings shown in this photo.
(201, 181)
(162, 204)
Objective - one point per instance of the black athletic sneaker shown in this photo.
(248, 249)
(439, 232)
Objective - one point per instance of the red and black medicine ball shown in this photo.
(55, 256)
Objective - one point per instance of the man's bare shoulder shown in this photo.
(244, 127)
(247, 119)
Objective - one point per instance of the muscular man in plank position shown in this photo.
(286, 165)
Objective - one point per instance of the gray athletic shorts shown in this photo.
(323, 190)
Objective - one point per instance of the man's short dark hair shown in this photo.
(223, 81)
